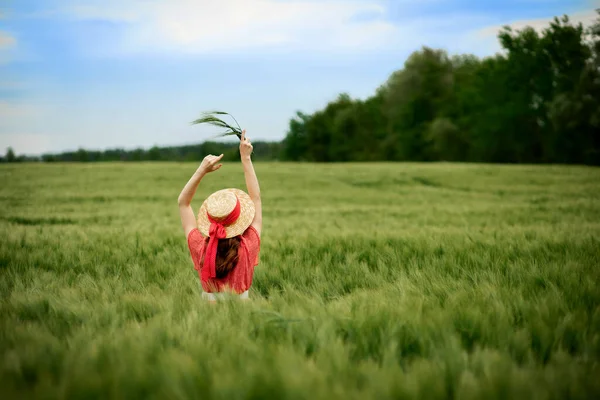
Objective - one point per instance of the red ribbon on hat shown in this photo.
(216, 232)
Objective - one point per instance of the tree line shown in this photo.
(538, 101)
(263, 151)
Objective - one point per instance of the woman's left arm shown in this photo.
(188, 220)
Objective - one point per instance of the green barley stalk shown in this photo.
(210, 117)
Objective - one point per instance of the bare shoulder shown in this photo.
(252, 233)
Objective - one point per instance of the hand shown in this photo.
(210, 163)
(245, 146)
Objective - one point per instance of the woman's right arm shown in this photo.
(251, 181)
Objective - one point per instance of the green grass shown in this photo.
(382, 281)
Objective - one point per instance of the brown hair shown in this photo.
(227, 255)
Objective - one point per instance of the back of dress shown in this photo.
(239, 279)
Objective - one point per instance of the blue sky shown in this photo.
(133, 73)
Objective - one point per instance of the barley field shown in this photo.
(403, 281)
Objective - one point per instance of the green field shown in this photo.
(376, 281)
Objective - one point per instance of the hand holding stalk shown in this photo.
(245, 147)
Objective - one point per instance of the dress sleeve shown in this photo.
(196, 246)
(252, 241)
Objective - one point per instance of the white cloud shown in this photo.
(8, 84)
(6, 40)
(109, 10)
(7, 46)
(34, 128)
(23, 127)
(332, 26)
(585, 17)
(210, 26)
(26, 143)
(10, 111)
(484, 41)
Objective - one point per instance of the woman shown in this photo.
(225, 240)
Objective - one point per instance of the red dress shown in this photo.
(240, 278)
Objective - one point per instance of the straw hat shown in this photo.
(220, 204)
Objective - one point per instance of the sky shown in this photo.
(101, 74)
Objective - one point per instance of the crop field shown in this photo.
(430, 281)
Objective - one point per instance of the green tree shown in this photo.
(542, 68)
(446, 140)
(344, 129)
(137, 154)
(10, 155)
(574, 113)
(295, 144)
(154, 154)
(81, 155)
(323, 142)
(414, 97)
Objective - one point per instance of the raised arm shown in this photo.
(188, 220)
(251, 181)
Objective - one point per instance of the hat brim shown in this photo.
(240, 225)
